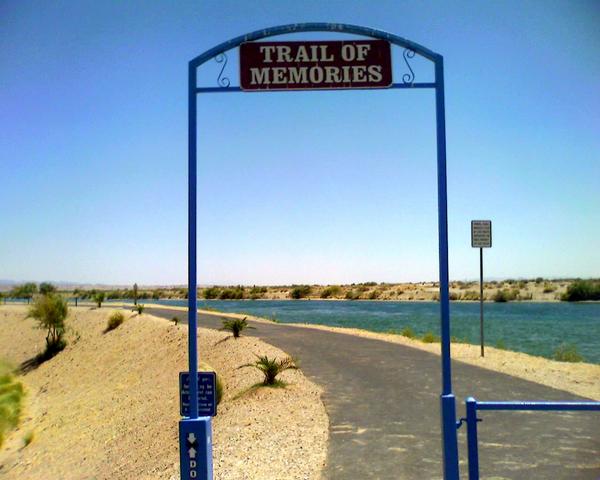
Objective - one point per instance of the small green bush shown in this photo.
(471, 295)
(236, 293)
(567, 353)
(139, 308)
(352, 295)
(407, 332)
(331, 291)
(211, 293)
(581, 290)
(549, 288)
(505, 296)
(429, 337)
(114, 321)
(300, 291)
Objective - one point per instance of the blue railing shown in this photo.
(473, 405)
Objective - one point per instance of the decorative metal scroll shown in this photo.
(408, 78)
(221, 80)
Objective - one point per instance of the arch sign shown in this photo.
(362, 63)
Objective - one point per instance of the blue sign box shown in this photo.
(207, 394)
(195, 449)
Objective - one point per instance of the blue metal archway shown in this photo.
(448, 404)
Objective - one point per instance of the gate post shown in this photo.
(472, 438)
(448, 402)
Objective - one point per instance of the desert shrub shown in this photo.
(271, 367)
(581, 290)
(539, 280)
(50, 311)
(139, 308)
(235, 326)
(454, 296)
(236, 293)
(211, 293)
(566, 352)
(300, 291)
(504, 296)
(46, 288)
(374, 295)
(26, 290)
(429, 337)
(115, 319)
(549, 288)
(352, 295)
(331, 291)
(407, 332)
(525, 296)
(156, 294)
(11, 400)
(521, 285)
(99, 298)
(470, 295)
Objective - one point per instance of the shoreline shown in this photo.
(578, 378)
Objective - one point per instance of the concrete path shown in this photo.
(383, 404)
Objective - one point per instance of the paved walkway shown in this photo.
(382, 401)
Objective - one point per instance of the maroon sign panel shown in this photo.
(315, 65)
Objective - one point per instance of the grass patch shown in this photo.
(407, 332)
(114, 321)
(567, 352)
(11, 400)
(28, 438)
(430, 337)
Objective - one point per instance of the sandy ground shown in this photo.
(107, 406)
(578, 378)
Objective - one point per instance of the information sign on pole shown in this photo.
(481, 237)
(481, 233)
(207, 394)
(315, 65)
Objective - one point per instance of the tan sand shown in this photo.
(107, 406)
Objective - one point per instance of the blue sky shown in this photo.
(323, 187)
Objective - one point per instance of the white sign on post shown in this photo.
(481, 233)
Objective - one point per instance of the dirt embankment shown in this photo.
(107, 406)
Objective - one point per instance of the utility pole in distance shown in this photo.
(481, 237)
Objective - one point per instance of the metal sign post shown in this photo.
(481, 237)
(321, 65)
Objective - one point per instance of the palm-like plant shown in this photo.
(236, 326)
(139, 308)
(271, 367)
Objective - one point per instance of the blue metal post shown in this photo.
(192, 302)
(448, 401)
(472, 438)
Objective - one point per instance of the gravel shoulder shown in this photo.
(107, 406)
